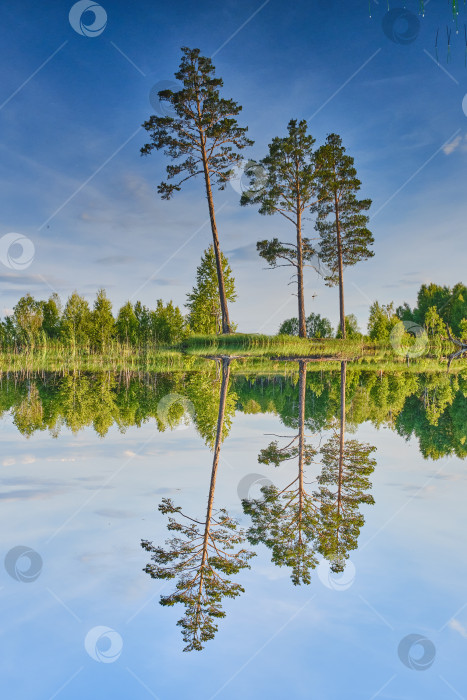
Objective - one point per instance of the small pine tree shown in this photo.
(317, 326)
(126, 325)
(28, 316)
(102, 325)
(52, 310)
(205, 313)
(168, 323)
(381, 321)
(76, 321)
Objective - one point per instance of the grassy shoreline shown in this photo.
(250, 352)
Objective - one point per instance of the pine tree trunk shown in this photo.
(301, 439)
(340, 266)
(301, 300)
(212, 486)
(217, 452)
(340, 477)
(342, 435)
(217, 250)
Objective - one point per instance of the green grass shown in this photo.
(251, 352)
(256, 345)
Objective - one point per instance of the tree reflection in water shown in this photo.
(296, 524)
(200, 556)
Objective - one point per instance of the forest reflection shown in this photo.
(431, 407)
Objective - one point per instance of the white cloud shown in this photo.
(458, 142)
(458, 627)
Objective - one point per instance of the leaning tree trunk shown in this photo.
(215, 240)
(212, 486)
(217, 452)
(340, 266)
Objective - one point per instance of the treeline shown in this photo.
(437, 308)
(430, 407)
(37, 323)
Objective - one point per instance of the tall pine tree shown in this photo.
(203, 139)
(341, 222)
(285, 184)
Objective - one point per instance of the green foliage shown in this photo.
(76, 321)
(438, 306)
(429, 407)
(343, 485)
(27, 319)
(341, 222)
(434, 324)
(143, 318)
(51, 312)
(127, 325)
(352, 331)
(274, 252)
(201, 559)
(203, 118)
(9, 335)
(203, 390)
(316, 327)
(102, 324)
(288, 168)
(284, 182)
(203, 138)
(285, 521)
(203, 302)
(35, 323)
(338, 186)
(168, 324)
(382, 320)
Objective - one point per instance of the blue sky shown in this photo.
(72, 179)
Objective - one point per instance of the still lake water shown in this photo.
(365, 511)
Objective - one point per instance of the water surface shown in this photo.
(356, 541)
